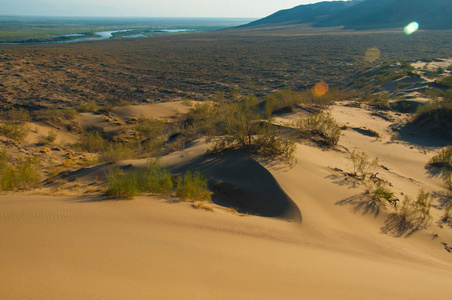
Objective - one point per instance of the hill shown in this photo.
(365, 15)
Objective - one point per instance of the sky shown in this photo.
(148, 8)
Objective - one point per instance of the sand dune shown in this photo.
(317, 236)
(72, 248)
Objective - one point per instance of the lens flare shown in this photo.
(411, 28)
(372, 54)
(320, 89)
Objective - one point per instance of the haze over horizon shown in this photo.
(148, 8)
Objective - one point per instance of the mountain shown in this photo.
(365, 14)
(303, 13)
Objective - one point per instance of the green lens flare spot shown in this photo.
(411, 28)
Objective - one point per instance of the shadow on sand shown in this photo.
(400, 226)
(238, 181)
(361, 204)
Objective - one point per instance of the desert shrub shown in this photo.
(152, 179)
(122, 103)
(361, 82)
(201, 120)
(447, 96)
(193, 186)
(272, 143)
(121, 185)
(416, 213)
(92, 141)
(423, 204)
(18, 115)
(388, 74)
(14, 131)
(433, 93)
(151, 133)
(320, 124)
(449, 68)
(69, 113)
(362, 164)
(406, 211)
(105, 109)
(380, 101)
(446, 81)
(48, 139)
(379, 191)
(24, 173)
(444, 161)
(116, 152)
(440, 70)
(241, 124)
(155, 179)
(53, 114)
(282, 100)
(87, 107)
(447, 217)
(149, 128)
(437, 116)
(402, 106)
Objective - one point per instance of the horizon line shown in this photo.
(128, 17)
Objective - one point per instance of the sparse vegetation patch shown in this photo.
(156, 180)
(443, 160)
(21, 173)
(16, 132)
(322, 125)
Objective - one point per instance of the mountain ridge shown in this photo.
(364, 14)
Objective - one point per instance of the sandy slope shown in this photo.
(327, 242)
(72, 248)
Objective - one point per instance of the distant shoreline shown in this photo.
(34, 30)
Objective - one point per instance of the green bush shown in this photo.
(92, 142)
(121, 185)
(380, 101)
(18, 115)
(193, 186)
(116, 152)
(440, 70)
(416, 212)
(444, 160)
(446, 81)
(423, 204)
(362, 164)
(24, 173)
(379, 191)
(88, 107)
(242, 124)
(320, 124)
(151, 134)
(14, 131)
(153, 179)
(53, 114)
(433, 93)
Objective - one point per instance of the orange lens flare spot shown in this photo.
(372, 54)
(320, 89)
